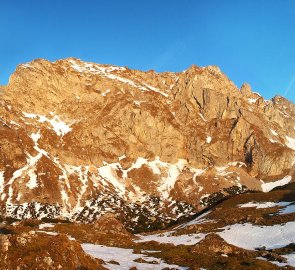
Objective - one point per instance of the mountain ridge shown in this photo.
(81, 139)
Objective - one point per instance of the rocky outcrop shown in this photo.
(108, 224)
(80, 139)
(34, 251)
(213, 243)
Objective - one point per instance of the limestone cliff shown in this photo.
(80, 139)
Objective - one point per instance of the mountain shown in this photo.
(80, 140)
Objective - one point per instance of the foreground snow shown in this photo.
(249, 236)
(288, 210)
(290, 259)
(125, 258)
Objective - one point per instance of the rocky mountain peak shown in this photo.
(80, 138)
(246, 89)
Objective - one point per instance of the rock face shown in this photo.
(81, 139)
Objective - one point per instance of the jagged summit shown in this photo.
(81, 66)
(79, 139)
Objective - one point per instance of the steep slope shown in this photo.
(80, 139)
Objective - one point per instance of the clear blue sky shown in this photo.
(252, 41)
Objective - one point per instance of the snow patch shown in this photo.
(252, 100)
(270, 237)
(35, 137)
(126, 258)
(29, 115)
(290, 259)
(46, 225)
(168, 238)
(262, 205)
(197, 172)
(266, 187)
(106, 71)
(108, 173)
(33, 179)
(273, 141)
(288, 210)
(60, 127)
(202, 117)
(290, 142)
(26, 65)
(1, 182)
(122, 157)
(106, 92)
(274, 132)
(169, 181)
(136, 102)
